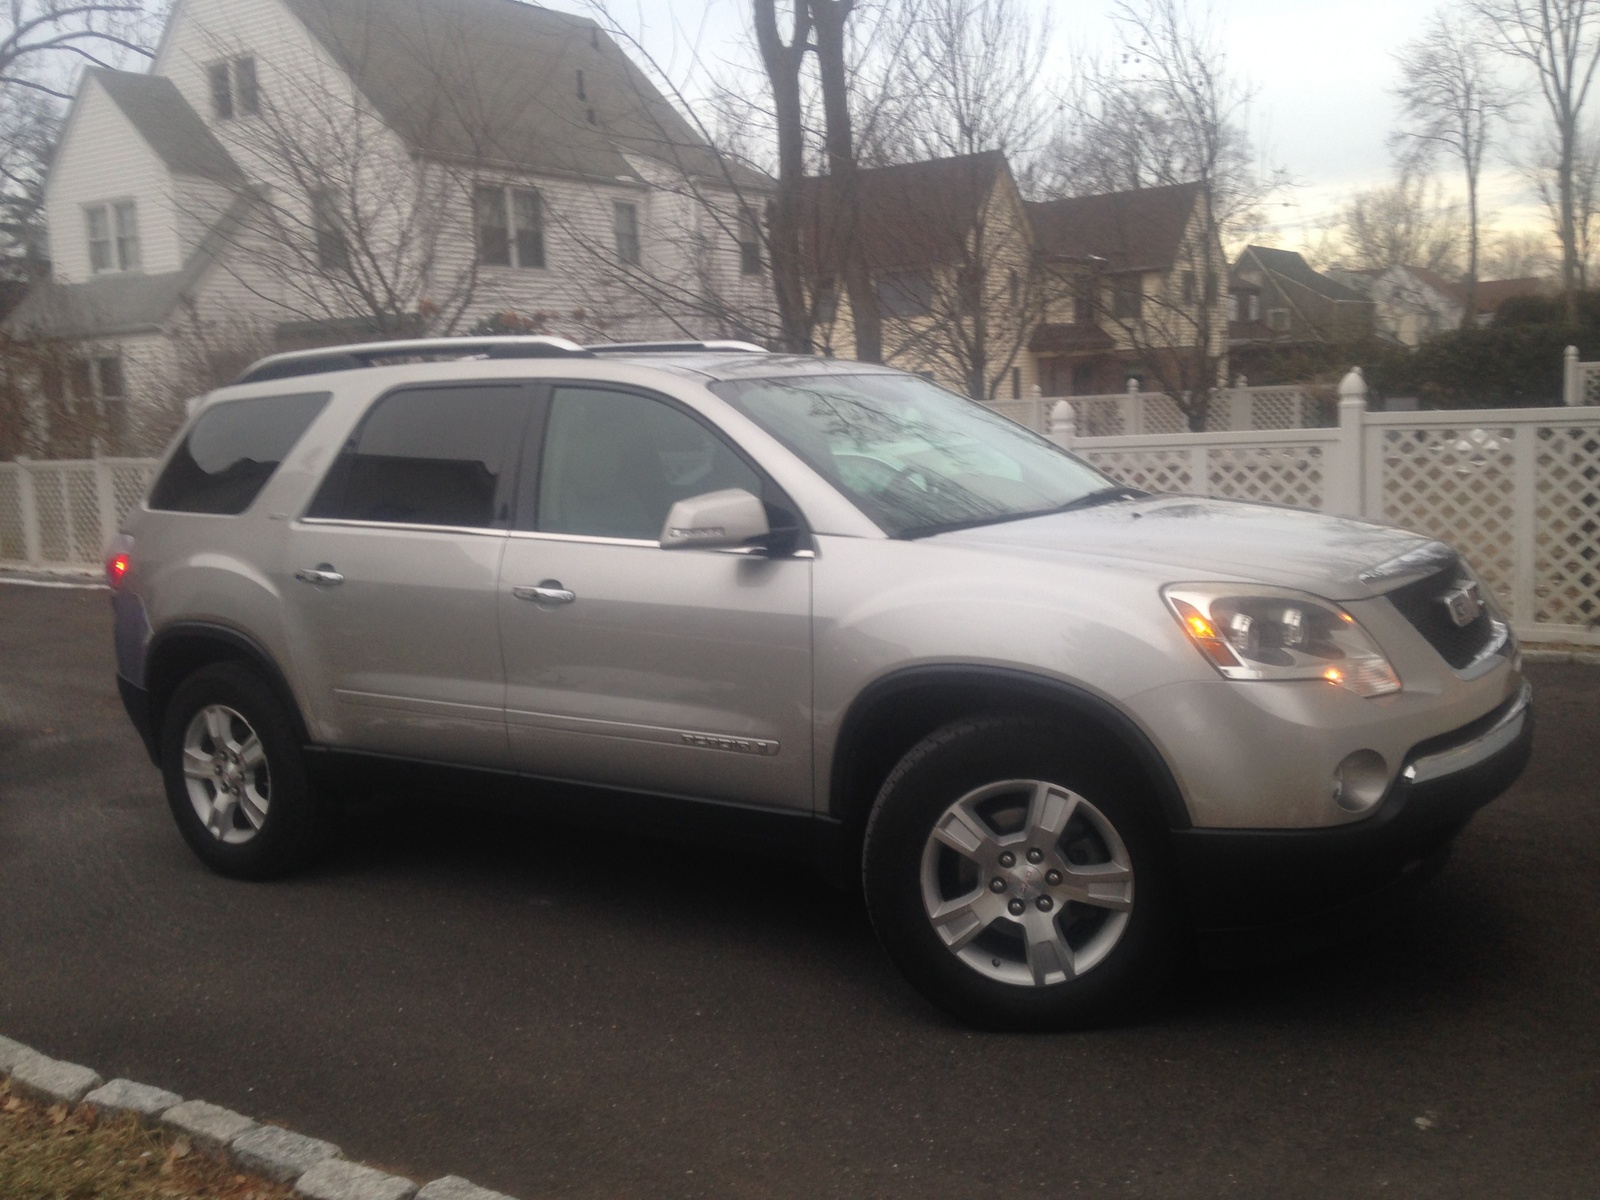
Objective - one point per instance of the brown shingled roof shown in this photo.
(1137, 230)
(912, 215)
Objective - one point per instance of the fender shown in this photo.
(990, 686)
(240, 646)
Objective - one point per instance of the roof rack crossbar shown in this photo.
(365, 354)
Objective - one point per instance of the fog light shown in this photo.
(1359, 780)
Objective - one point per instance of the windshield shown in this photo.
(915, 458)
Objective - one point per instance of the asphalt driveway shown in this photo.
(557, 1013)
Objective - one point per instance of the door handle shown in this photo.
(323, 575)
(548, 592)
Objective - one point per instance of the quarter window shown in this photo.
(430, 456)
(231, 452)
(615, 464)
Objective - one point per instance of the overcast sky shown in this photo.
(1322, 70)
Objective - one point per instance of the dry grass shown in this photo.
(57, 1153)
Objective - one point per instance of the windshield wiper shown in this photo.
(1109, 495)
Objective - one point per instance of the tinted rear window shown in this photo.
(231, 452)
(431, 456)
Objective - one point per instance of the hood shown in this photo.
(1200, 540)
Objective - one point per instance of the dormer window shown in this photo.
(234, 90)
(113, 236)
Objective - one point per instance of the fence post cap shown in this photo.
(1571, 352)
(1036, 392)
(1353, 386)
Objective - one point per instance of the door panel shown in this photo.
(682, 671)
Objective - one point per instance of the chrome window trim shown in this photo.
(590, 538)
(351, 523)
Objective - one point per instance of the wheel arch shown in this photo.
(183, 648)
(894, 713)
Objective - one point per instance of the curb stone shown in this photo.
(453, 1187)
(317, 1169)
(57, 1082)
(207, 1125)
(279, 1154)
(1586, 658)
(126, 1096)
(335, 1179)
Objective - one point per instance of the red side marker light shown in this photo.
(116, 568)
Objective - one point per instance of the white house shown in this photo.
(301, 171)
(1410, 304)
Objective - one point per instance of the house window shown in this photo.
(826, 304)
(333, 248)
(113, 236)
(1211, 287)
(1278, 320)
(1016, 383)
(905, 294)
(625, 220)
(1246, 306)
(99, 222)
(494, 232)
(527, 215)
(749, 244)
(1189, 292)
(1083, 307)
(1014, 283)
(234, 91)
(1127, 299)
(221, 91)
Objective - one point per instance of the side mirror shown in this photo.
(731, 517)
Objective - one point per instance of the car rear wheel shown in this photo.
(1018, 882)
(234, 775)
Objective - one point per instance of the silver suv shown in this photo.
(1052, 724)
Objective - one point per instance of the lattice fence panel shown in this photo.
(1162, 415)
(1589, 378)
(83, 496)
(1275, 408)
(129, 482)
(1456, 485)
(13, 545)
(1290, 475)
(1152, 470)
(1567, 541)
(54, 512)
(1098, 416)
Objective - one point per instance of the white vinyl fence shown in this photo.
(56, 515)
(1133, 412)
(1516, 490)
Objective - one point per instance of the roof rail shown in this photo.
(366, 354)
(674, 347)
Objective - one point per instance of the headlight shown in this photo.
(1274, 633)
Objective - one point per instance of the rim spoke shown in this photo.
(220, 819)
(1048, 952)
(1049, 811)
(960, 920)
(218, 726)
(252, 806)
(197, 764)
(251, 752)
(963, 832)
(1103, 885)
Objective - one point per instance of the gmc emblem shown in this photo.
(1463, 603)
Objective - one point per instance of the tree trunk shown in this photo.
(782, 62)
(829, 17)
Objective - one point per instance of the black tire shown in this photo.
(1128, 957)
(294, 825)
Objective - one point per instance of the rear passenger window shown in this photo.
(231, 452)
(430, 456)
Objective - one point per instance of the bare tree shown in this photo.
(1450, 101)
(39, 38)
(1559, 42)
(30, 121)
(783, 61)
(1540, 164)
(1518, 254)
(1405, 223)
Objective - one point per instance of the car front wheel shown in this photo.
(1016, 880)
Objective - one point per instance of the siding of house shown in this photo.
(102, 159)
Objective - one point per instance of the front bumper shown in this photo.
(1253, 878)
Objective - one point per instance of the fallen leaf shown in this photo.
(180, 1149)
(57, 1113)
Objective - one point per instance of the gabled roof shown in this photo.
(1289, 265)
(495, 82)
(912, 215)
(1447, 289)
(120, 304)
(169, 125)
(1132, 231)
